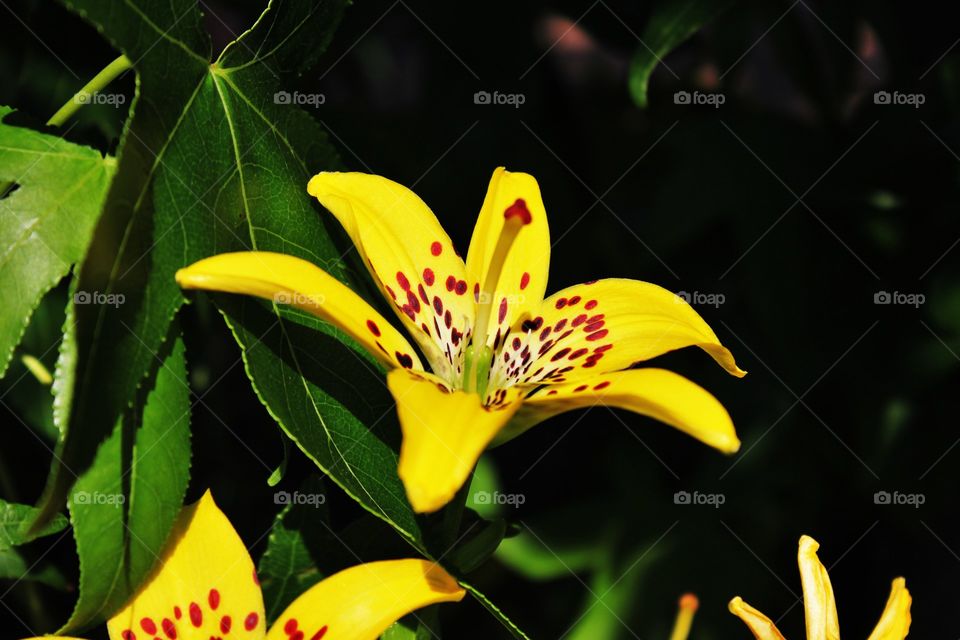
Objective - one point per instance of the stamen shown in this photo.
(515, 217)
(688, 607)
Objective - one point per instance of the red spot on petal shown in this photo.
(213, 598)
(578, 353)
(503, 311)
(177, 613)
(476, 292)
(560, 354)
(251, 621)
(580, 388)
(519, 210)
(598, 335)
(451, 283)
(402, 281)
(544, 334)
(413, 301)
(290, 626)
(225, 623)
(516, 344)
(552, 392)
(320, 634)
(437, 305)
(603, 348)
(149, 626)
(170, 629)
(579, 320)
(561, 303)
(461, 287)
(128, 635)
(429, 277)
(590, 305)
(574, 300)
(423, 294)
(447, 319)
(560, 325)
(405, 360)
(375, 330)
(196, 615)
(297, 635)
(392, 295)
(436, 248)
(524, 280)
(602, 385)
(590, 328)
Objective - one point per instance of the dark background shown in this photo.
(795, 202)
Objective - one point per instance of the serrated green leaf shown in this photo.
(208, 163)
(123, 507)
(14, 524)
(288, 567)
(46, 221)
(671, 23)
(331, 401)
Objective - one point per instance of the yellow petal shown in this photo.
(410, 257)
(658, 393)
(761, 626)
(359, 603)
(204, 583)
(444, 433)
(290, 280)
(895, 622)
(523, 280)
(818, 601)
(606, 326)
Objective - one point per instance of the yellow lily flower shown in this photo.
(821, 609)
(205, 587)
(502, 358)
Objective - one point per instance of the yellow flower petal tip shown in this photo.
(820, 608)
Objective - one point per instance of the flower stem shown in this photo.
(80, 98)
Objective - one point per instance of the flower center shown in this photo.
(478, 355)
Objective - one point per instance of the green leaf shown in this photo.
(208, 163)
(288, 566)
(14, 524)
(123, 507)
(46, 221)
(672, 22)
(331, 401)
